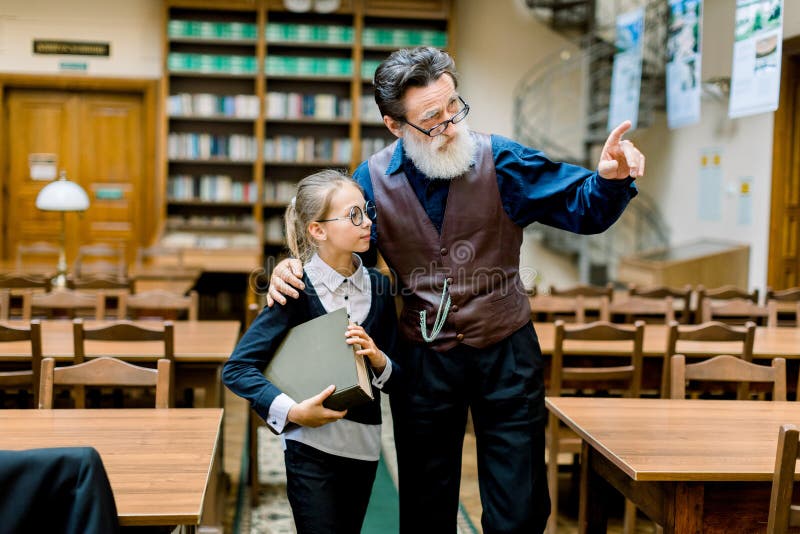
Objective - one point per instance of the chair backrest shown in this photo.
(5, 304)
(684, 296)
(782, 302)
(121, 332)
(631, 308)
(101, 258)
(727, 368)
(38, 252)
(782, 513)
(110, 285)
(711, 333)
(584, 290)
(17, 282)
(29, 377)
(105, 371)
(722, 293)
(598, 331)
(549, 307)
(69, 302)
(160, 303)
(733, 311)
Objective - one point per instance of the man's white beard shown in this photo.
(438, 161)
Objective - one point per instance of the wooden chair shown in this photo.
(68, 303)
(100, 258)
(37, 253)
(254, 421)
(559, 438)
(591, 296)
(122, 332)
(548, 308)
(105, 371)
(660, 310)
(782, 513)
(28, 378)
(710, 334)
(684, 296)
(719, 294)
(111, 286)
(733, 311)
(19, 286)
(783, 302)
(162, 256)
(5, 304)
(727, 368)
(161, 304)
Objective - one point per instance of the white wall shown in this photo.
(133, 28)
(745, 144)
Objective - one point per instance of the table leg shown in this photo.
(592, 515)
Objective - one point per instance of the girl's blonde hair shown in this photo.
(311, 203)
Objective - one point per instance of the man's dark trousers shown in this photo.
(503, 386)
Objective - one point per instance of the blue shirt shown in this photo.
(532, 188)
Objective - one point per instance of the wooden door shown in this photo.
(784, 241)
(98, 139)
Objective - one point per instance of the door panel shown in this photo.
(111, 167)
(98, 140)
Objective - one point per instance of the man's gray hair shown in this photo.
(415, 67)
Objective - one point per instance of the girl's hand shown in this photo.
(356, 334)
(312, 413)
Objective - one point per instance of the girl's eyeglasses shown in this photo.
(356, 215)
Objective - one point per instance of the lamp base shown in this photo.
(59, 281)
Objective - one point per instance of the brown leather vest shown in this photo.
(477, 251)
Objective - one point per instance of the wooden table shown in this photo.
(159, 462)
(201, 348)
(769, 343)
(690, 465)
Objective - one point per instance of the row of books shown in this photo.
(279, 190)
(227, 240)
(400, 37)
(309, 105)
(208, 146)
(210, 105)
(274, 229)
(220, 222)
(178, 29)
(210, 188)
(307, 149)
(309, 33)
(277, 65)
(370, 145)
(369, 109)
(211, 63)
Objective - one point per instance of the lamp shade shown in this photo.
(62, 195)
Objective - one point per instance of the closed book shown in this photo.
(314, 355)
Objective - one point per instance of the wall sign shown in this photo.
(71, 48)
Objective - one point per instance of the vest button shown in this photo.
(460, 337)
(454, 308)
(443, 251)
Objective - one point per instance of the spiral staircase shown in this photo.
(561, 107)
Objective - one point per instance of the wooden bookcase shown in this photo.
(255, 97)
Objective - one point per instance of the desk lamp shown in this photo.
(62, 195)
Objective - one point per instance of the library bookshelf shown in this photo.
(256, 96)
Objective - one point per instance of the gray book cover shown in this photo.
(314, 355)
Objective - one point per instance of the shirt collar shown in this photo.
(320, 272)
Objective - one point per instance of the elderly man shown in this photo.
(452, 205)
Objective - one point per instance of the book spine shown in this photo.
(346, 398)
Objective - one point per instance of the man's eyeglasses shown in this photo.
(356, 215)
(442, 126)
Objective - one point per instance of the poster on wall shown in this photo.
(756, 78)
(626, 76)
(683, 62)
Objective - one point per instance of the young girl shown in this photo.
(331, 457)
